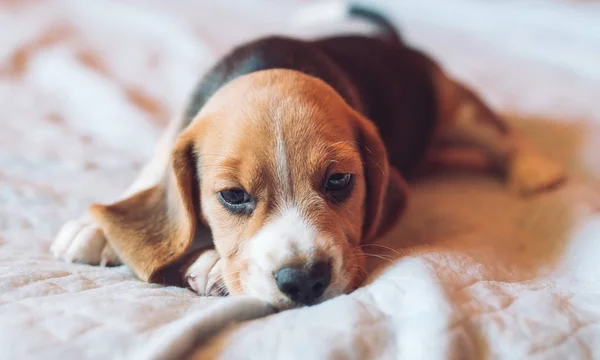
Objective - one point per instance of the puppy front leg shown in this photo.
(466, 120)
(82, 240)
(203, 273)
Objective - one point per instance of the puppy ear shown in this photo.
(155, 227)
(386, 189)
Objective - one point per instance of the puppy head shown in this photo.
(291, 180)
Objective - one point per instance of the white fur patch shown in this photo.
(205, 275)
(281, 165)
(82, 241)
(282, 239)
(285, 240)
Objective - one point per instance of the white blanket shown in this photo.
(470, 272)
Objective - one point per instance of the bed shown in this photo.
(470, 272)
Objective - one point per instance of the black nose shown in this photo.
(304, 285)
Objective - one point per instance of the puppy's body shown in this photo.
(312, 141)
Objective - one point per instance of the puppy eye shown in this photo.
(337, 182)
(339, 186)
(236, 200)
(234, 196)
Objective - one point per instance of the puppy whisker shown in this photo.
(358, 267)
(375, 162)
(232, 273)
(381, 246)
(390, 260)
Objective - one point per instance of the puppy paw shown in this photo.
(531, 172)
(205, 275)
(109, 257)
(82, 241)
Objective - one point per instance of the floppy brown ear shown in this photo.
(386, 189)
(155, 227)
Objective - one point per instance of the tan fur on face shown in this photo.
(277, 134)
(253, 121)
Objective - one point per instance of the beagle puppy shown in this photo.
(290, 155)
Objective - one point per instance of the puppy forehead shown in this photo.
(274, 114)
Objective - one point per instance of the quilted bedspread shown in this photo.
(471, 271)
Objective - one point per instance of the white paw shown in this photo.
(204, 276)
(532, 172)
(82, 241)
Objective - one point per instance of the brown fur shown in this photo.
(275, 117)
(155, 227)
(232, 146)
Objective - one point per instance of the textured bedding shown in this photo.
(471, 271)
